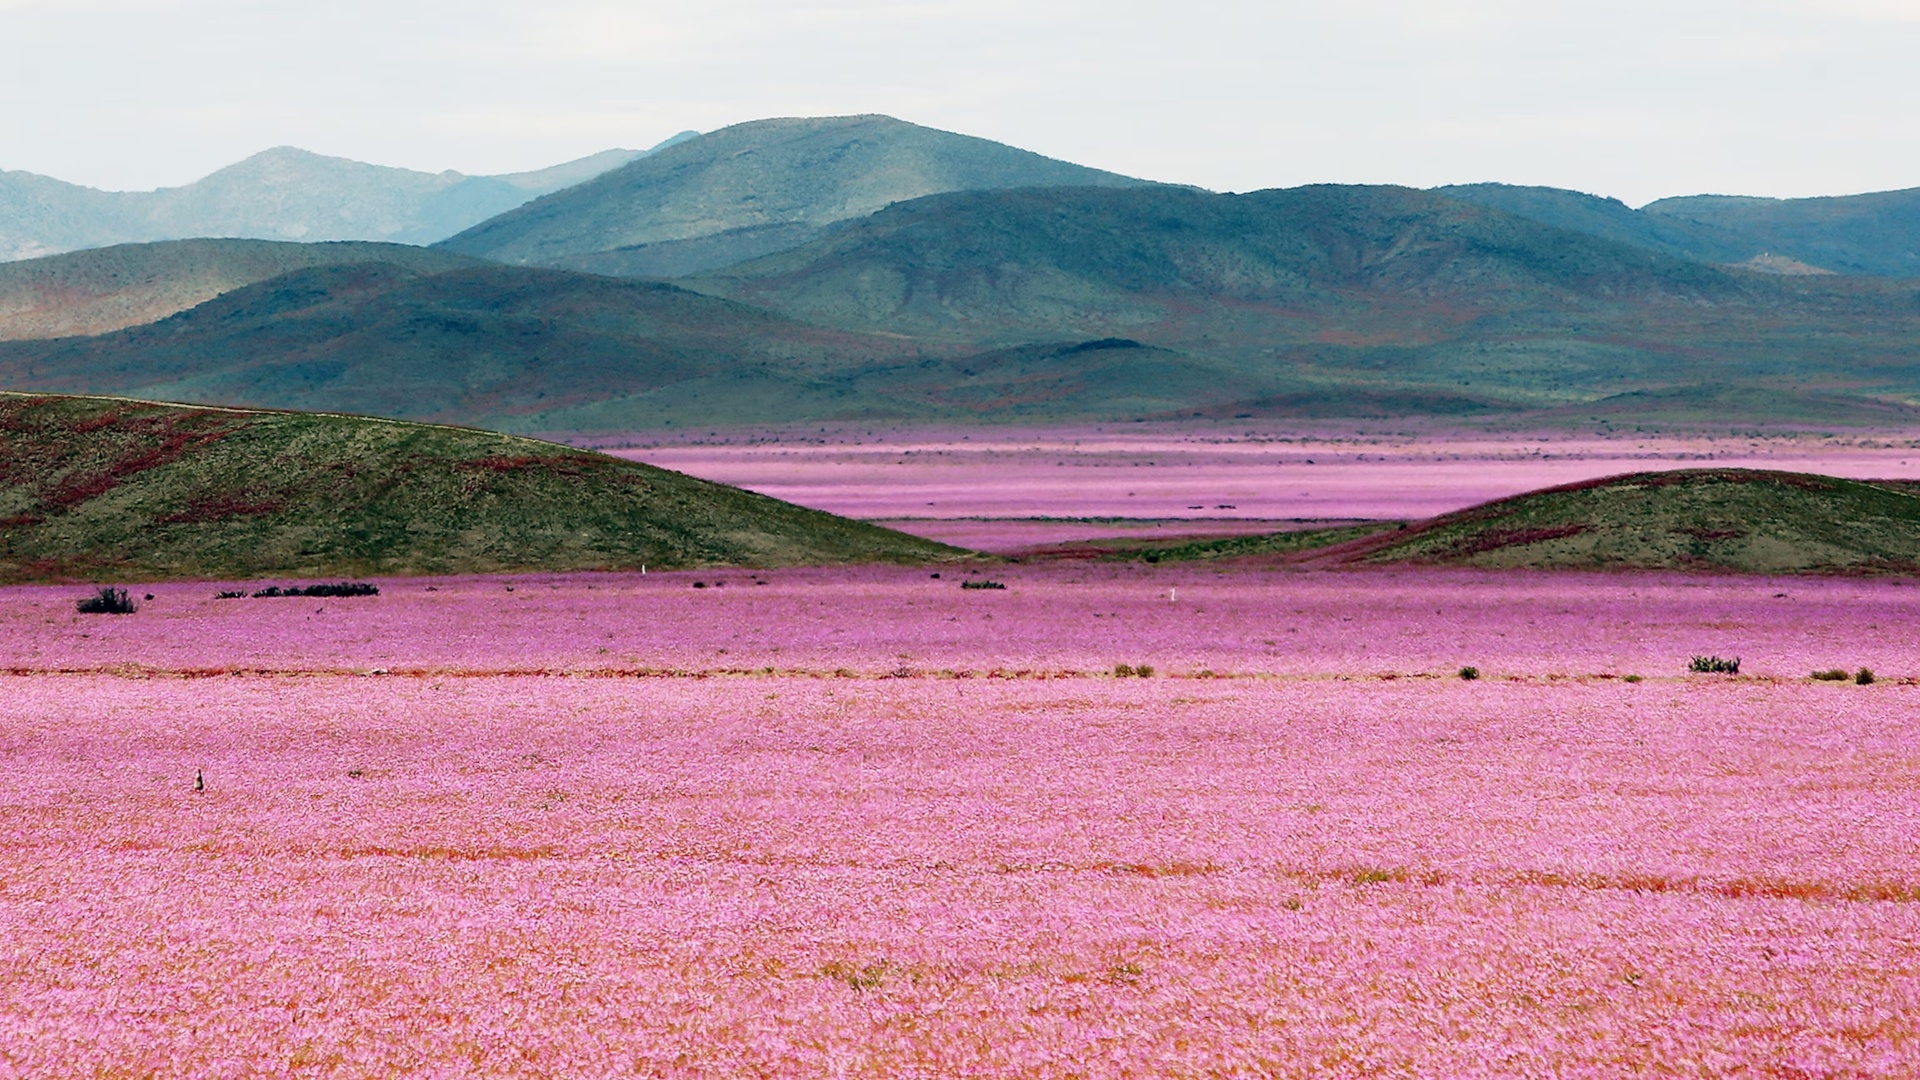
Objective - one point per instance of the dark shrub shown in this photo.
(1864, 677)
(1830, 675)
(108, 601)
(1714, 665)
(1469, 673)
(344, 588)
(982, 584)
(231, 594)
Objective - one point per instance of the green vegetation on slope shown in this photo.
(753, 188)
(106, 289)
(1747, 520)
(497, 345)
(1874, 234)
(1741, 520)
(94, 488)
(1343, 300)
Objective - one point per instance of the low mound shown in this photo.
(102, 488)
(1744, 520)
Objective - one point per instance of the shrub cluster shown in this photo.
(344, 588)
(1831, 675)
(1469, 673)
(983, 583)
(1714, 665)
(1139, 671)
(108, 601)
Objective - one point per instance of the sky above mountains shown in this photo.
(1630, 98)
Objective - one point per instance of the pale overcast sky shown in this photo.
(1632, 98)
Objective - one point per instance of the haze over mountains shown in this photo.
(279, 194)
(863, 267)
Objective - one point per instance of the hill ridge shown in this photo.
(795, 173)
(108, 487)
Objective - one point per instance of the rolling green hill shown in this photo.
(1747, 520)
(751, 189)
(106, 289)
(112, 489)
(1873, 234)
(1737, 520)
(1350, 300)
(1610, 219)
(531, 350)
(1876, 233)
(998, 265)
(494, 345)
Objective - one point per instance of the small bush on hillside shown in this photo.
(1714, 665)
(1830, 675)
(1121, 671)
(1143, 671)
(1864, 677)
(983, 583)
(1469, 673)
(108, 601)
(1629, 678)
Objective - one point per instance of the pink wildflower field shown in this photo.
(865, 823)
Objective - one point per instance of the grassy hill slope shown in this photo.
(492, 345)
(750, 189)
(95, 489)
(986, 264)
(1876, 233)
(526, 349)
(107, 289)
(1873, 234)
(1738, 520)
(1747, 520)
(1610, 219)
(1350, 296)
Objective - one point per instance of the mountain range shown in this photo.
(279, 194)
(863, 267)
(1874, 234)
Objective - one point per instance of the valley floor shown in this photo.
(1221, 478)
(867, 823)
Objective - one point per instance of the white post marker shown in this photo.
(1173, 595)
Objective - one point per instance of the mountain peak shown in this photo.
(782, 178)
